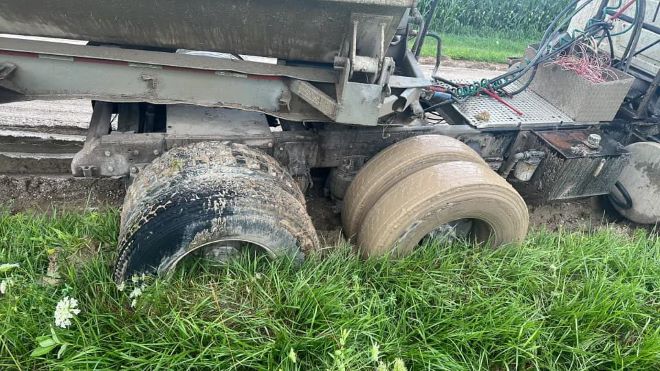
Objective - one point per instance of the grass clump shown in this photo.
(559, 301)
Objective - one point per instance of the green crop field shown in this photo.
(489, 30)
(559, 301)
(517, 19)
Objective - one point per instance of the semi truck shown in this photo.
(221, 116)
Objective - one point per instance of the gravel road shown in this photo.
(49, 114)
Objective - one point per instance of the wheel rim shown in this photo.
(220, 251)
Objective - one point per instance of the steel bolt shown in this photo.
(136, 152)
(107, 153)
(156, 152)
(134, 170)
(111, 169)
(593, 141)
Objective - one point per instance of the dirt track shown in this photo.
(72, 113)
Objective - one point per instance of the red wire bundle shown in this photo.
(588, 63)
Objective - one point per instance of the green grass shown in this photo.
(559, 301)
(493, 49)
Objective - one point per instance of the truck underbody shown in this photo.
(189, 128)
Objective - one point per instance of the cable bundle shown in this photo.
(587, 62)
(555, 43)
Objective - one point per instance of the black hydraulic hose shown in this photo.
(544, 57)
(640, 51)
(641, 9)
(627, 202)
(438, 51)
(550, 30)
(637, 22)
(543, 45)
(534, 67)
(419, 43)
(448, 82)
(444, 103)
(645, 25)
(601, 8)
(527, 84)
(627, 51)
(610, 42)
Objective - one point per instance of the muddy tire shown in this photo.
(210, 195)
(636, 196)
(393, 164)
(438, 195)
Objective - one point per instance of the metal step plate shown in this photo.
(485, 112)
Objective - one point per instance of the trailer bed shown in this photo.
(303, 30)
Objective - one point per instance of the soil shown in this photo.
(458, 63)
(45, 193)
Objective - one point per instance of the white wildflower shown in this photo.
(121, 286)
(8, 267)
(139, 279)
(135, 294)
(66, 309)
(4, 285)
(292, 356)
(381, 366)
(375, 352)
(399, 365)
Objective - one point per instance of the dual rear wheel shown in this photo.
(220, 199)
(440, 185)
(214, 199)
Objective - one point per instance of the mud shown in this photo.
(44, 193)
(65, 193)
(585, 215)
(572, 215)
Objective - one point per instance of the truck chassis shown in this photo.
(176, 109)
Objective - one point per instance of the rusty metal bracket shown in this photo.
(315, 97)
(6, 70)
